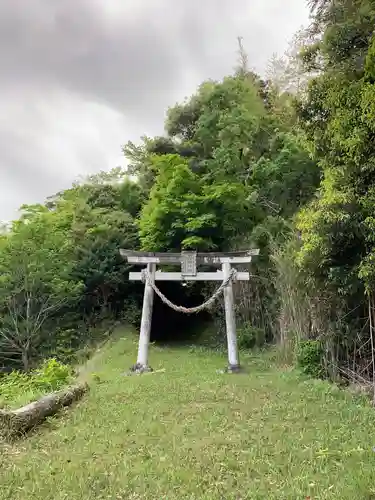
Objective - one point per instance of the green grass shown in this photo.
(17, 391)
(191, 433)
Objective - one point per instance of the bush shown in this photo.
(132, 314)
(18, 388)
(249, 337)
(51, 375)
(310, 358)
(68, 340)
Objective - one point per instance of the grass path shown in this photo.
(190, 433)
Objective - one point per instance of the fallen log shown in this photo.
(13, 422)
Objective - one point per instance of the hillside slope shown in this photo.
(191, 433)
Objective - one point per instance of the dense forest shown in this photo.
(281, 162)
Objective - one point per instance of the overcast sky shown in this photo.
(80, 78)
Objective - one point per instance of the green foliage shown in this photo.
(60, 268)
(18, 388)
(244, 167)
(51, 375)
(67, 342)
(163, 217)
(132, 314)
(337, 115)
(310, 358)
(185, 212)
(286, 178)
(250, 337)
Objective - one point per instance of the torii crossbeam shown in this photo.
(188, 262)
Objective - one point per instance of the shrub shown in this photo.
(18, 388)
(132, 314)
(12, 385)
(310, 358)
(249, 337)
(51, 375)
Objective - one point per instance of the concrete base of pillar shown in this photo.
(231, 369)
(138, 369)
(234, 369)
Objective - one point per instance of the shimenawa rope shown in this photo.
(146, 278)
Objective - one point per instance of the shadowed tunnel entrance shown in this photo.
(170, 326)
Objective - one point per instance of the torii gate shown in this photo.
(188, 262)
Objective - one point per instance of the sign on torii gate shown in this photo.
(188, 262)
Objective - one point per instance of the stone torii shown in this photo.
(188, 261)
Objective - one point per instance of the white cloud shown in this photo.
(81, 78)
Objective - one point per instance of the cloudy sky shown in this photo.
(81, 77)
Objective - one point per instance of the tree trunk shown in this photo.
(14, 422)
(25, 361)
